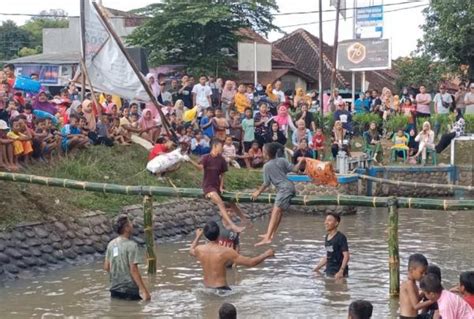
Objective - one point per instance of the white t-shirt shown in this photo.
(202, 93)
(280, 94)
(439, 98)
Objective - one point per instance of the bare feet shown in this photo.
(264, 236)
(264, 241)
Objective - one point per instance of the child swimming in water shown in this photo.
(274, 173)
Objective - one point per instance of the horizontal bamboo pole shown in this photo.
(239, 197)
(451, 187)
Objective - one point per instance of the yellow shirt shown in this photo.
(241, 102)
(115, 99)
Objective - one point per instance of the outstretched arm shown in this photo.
(197, 165)
(192, 249)
(252, 262)
(260, 190)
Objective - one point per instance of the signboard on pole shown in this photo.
(364, 55)
(369, 22)
(247, 57)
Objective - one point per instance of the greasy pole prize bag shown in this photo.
(165, 162)
(26, 84)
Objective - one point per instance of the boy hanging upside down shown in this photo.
(214, 167)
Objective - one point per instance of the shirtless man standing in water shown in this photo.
(214, 257)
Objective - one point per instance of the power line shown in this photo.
(344, 9)
(330, 20)
(147, 17)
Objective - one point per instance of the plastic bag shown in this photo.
(45, 115)
(322, 173)
(164, 162)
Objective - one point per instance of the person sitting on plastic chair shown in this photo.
(400, 145)
(372, 143)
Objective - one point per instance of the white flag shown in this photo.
(108, 68)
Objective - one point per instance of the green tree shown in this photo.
(53, 18)
(12, 39)
(420, 70)
(197, 33)
(449, 32)
(27, 51)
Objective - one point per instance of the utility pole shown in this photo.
(336, 37)
(320, 66)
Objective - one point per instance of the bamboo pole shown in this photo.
(393, 256)
(239, 197)
(140, 76)
(94, 96)
(149, 238)
(452, 187)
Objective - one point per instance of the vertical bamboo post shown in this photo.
(393, 257)
(148, 229)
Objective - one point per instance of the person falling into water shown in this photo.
(214, 167)
(121, 262)
(337, 251)
(274, 172)
(214, 257)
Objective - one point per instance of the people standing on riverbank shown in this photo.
(121, 262)
(214, 166)
(409, 295)
(337, 250)
(274, 173)
(214, 257)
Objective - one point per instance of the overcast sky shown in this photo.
(401, 26)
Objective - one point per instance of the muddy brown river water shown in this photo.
(283, 287)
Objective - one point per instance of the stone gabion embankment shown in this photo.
(37, 247)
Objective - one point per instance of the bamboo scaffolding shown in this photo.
(451, 187)
(239, 197)
(393, 256)
(148, 229)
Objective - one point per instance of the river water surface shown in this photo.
(283, 287)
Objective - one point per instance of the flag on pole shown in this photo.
(342, 7)
(108, 68)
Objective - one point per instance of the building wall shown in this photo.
(292, 82)
(62, 40)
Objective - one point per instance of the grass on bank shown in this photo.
(120, 165)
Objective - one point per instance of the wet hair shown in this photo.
(336, 216)
(360, 309)
(466, 279)
(211, 230)
(120, 224)
(273, 149)
(433, 269)
(431, 283)
(416, 260)
(227, 311)
(215, 141)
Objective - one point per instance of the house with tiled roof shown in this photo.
(303, 48)
(283, 67)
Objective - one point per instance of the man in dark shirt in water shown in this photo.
(214, 257)
(337, 251)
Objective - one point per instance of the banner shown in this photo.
(108, 68)
(48, 74)
(364, 55)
